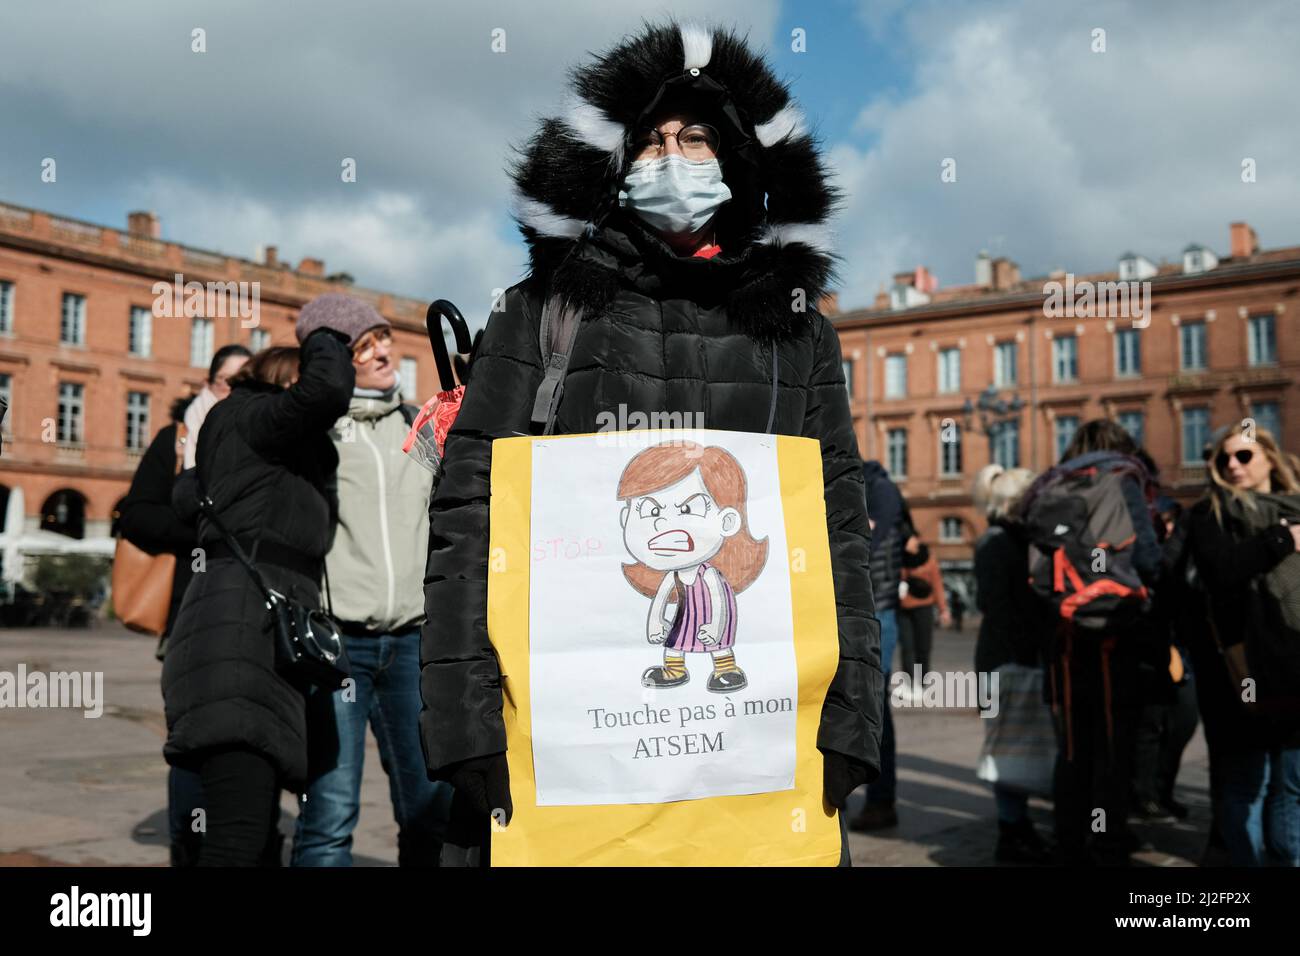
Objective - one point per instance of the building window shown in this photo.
(848, 376)
(6, 308)
(950, 530)
(1065, 358)
(409, 371)
(1133, 423)
(1005, 374)
(201, 342)
(897, 445)
(137, 421)
(72, 414)
(1196, 432)
(895, 376)
(1268, 416)
(1192, 352)
(1261, 340)
(1128, 352)
(7, 396)
(72, 329)
(258, 340)
(1004, 444)
(140, 335)
(1064, 428)
(950, 452)
(949, 371)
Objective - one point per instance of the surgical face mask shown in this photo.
(674, 195)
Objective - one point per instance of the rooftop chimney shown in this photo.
(924, 280)
(144, 224)
(983, 270)
(1005, 273)
(271, 257)
(1243, 241)
(312, 267)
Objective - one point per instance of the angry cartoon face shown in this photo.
(678, 526)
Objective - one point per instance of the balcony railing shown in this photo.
(145, 247)
(13, 218)
(70, 230)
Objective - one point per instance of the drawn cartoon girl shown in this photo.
(684, 520)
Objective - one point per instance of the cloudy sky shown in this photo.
(1065, 157)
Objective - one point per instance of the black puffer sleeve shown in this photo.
(460, 682)
(310, 405)
(851, 716)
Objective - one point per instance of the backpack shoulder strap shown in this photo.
(556, 335)
(409, 413)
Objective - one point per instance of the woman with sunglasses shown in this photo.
(1245, 536)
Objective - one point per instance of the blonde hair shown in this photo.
(998, 490)
(1284, 476)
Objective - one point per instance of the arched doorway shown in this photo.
(64, 512)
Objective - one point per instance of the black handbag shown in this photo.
(308, 643)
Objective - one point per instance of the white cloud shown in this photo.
(241, 146)
(1067, 157)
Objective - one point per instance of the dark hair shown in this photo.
(223, 353)
(1100, 434)
(277, 365)
(178, 407)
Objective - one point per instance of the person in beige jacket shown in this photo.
(375, 580)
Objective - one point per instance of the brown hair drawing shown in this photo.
(741, 558)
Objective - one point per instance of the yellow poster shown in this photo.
(662, 606)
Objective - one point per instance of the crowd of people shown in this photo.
(1183, 615)
(669, 214)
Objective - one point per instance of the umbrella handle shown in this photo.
(439, 310)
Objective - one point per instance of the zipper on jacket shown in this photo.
(383, 521)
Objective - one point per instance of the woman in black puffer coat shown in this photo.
(698, 319)
(266, 460)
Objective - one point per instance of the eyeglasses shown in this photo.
(1243, 456)
(697, 141)
(364, 350)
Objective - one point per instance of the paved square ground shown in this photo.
(84, 791)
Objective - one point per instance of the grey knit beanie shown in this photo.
(341, 312)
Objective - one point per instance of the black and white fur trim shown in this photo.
(567, 176)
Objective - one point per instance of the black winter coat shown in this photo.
(266, 459)
(1228, 559)
(664, 342)
(149, 521)
(1015, 623)
(887, 511)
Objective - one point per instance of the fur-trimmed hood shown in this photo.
(776, 258)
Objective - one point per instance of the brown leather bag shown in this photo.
(142, 582)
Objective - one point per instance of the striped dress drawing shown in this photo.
(694, 608)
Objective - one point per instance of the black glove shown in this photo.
(334, 334)
(484, 784)
(841, 776)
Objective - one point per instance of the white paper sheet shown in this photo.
(599, 736)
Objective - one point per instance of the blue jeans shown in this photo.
(882, 791)
(386, 671)
(1259, 811)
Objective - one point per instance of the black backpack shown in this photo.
(1081, 538)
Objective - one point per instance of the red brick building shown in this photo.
(1220, 346)
(90, 367)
